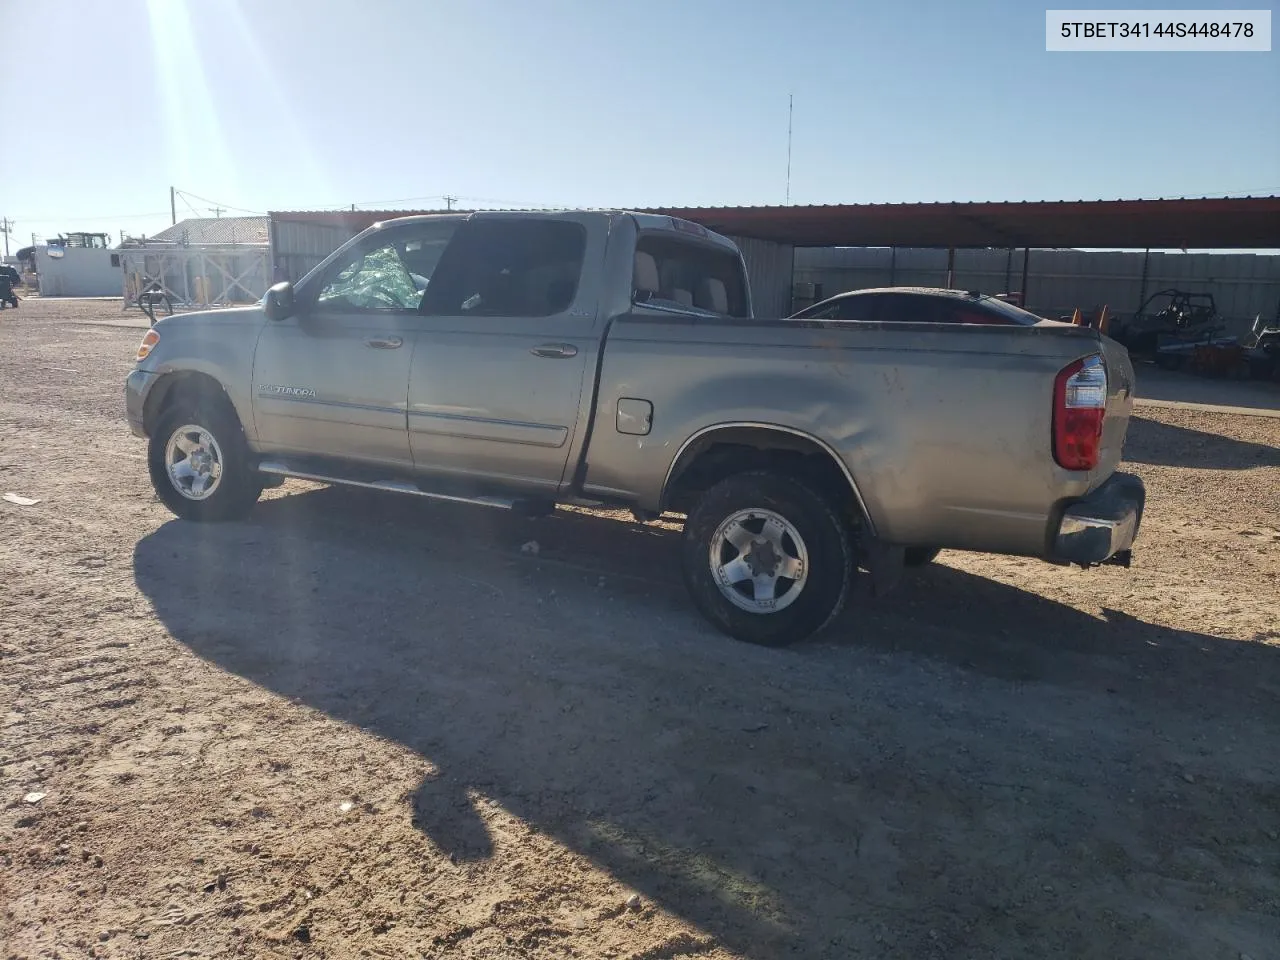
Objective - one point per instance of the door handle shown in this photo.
(555, 350)
(384, 343)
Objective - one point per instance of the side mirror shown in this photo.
(278, 303)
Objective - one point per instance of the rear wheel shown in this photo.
(766, 558)
(199, 462)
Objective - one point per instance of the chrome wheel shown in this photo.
(759, 561)
(193, 461)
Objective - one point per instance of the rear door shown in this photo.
(332, 380)
(508, 329)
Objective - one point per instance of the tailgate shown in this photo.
(1120, 384)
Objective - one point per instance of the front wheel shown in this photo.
(766, 558)
(199, 463)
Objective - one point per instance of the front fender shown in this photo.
(219, 346)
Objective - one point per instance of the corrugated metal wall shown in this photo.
(298, 246)
(1243, 285)
(769, 268)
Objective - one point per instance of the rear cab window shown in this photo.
(671, 271)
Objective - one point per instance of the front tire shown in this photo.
(766, 558)
(199, 462)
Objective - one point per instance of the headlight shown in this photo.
(148, 344)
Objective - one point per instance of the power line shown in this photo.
(220, 204)
(370, 203)
(113, 216)
(190, 206)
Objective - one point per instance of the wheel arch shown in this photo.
(173, 387)
(717, 450)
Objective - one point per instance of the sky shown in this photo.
(312, 104)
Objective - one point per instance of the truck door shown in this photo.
(332, 379)
(508, 336)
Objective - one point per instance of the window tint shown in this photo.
(388, 273)
(509, 268)
(904, 308)
(860, 307)
(675, 271)
(820, 311)
(1010, 312)
(922, 308)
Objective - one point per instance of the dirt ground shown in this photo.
(366, 726)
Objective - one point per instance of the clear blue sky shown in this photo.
(292, 104)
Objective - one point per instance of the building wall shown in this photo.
(1243, 284)
(297, 246)
(80, 272)
(769, 268)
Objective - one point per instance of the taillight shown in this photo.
(1079, 406)
(148, 344)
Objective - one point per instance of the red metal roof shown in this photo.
(1210, 223)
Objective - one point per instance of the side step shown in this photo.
(276, 468)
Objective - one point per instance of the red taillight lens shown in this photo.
(1079, 407)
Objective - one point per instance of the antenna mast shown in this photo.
(791, 100)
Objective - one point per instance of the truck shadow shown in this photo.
(607, 716)
(1162, 444)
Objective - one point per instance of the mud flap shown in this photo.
(884, 562)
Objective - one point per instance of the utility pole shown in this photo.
(449, 202)
(5, 226)
(173, 207)
(217, 211)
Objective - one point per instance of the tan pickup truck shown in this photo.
(519, 360)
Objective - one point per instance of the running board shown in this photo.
(277, 469)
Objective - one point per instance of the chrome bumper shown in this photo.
(136, 387)
(1101, 527)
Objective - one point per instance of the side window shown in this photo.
(961, 311)
(678, 272)
(860, 308)
(388, 273)
(509, 268)
(907, 308)
(822, 311)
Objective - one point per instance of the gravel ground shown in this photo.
(360, 725)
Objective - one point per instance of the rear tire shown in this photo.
(199, 461)
(783, 526)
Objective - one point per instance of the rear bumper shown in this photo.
(136, 387)
(1102, 526)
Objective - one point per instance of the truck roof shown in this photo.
(645, 221)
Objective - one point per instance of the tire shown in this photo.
(920, 556)
(815, 542)
(229, 495)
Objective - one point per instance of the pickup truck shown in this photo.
(521, 360)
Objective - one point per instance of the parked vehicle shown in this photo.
(520, 360)
(919, 305)
(1167, 325)
(9, 279)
